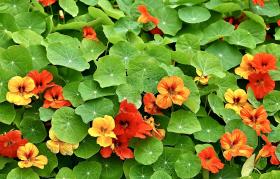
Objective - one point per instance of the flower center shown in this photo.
(55, 97)
(9, 143)
(236, 100)
(103, 130)
(260, 82)
(21, 89)
(124, 124)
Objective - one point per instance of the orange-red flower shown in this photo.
(261, 84)
(246, 68)
(209, 160)
(151, 107)
(257, 119)
(89, 33)
(268, 150)
(158, 133)
(235, 144)
(155, 31)
(263, 62)
(278, 23)
(42, 80)
(145, 16)
(120, 147)
(259, 2)
(171, 90)
(54, 98)
(46, 2)
(10, 142)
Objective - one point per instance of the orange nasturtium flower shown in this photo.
(54, 98)
(259, 2)
(89, 33)
(209, 160)
(102, 128)
(150, 105)
(235, 144)
(263, 62)
(42, 80)
(29, 156)
(236, 100)
(201, 78)
(47, 2)
(157, 133)
(20, 90)
(57, 146)
(246, 68)
(145, 16)
(171, 90)
(257, 119)
(268, 150)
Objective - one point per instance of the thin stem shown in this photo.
(205, 174)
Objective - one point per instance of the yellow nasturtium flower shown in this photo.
(57, 146)
(202, 79)
(245, 68)
(29, 156)
(236, 100)
(102, 128)
(20, 90)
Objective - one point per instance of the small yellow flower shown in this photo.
(236, 100)
(57, 146)
(245, 68)
(102, 128)
(29, 156)
(20, 90)
(203, 79)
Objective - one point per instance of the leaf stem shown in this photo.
(205, 174)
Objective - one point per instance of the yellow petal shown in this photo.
(111, 135)
(31, 148)
(66, 149)
(104, 141)
(17, 98)
(53, 146)
(241, 94)
(94, 132)
(110, 122)
(25, 164)
(14, 83)
(229, 96)
(28, 83)
(40, 161)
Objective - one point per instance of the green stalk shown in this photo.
(205, 174)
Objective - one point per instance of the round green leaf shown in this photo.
(183, 122)
(111, 168)
(88, 170)
(87, 148)
(7, 113)
(161, 174)
(96, 49)
(185, 143)
(271, 102)
(45, 114)
(38, 56)
(274, 174)
(148, 151)
(64, 173)
(129, 92)
(140, 171)
(4, 161)
(68, 126)
(277, 152)
(69, 6)
(71, 93)
(193, 102)
(229, 172)
(110, 71)
(194, 14)
(95, 108)
(31, 20)
(242, 38)
(255, 29)
(27, 37)
(90, 89)
(19, 173)
(211, 130)
(187, 166)
(33, 129)
(66, 55)
(274, 135)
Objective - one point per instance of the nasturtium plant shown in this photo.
(155, 89)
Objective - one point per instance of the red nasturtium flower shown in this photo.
(42, 80)
(150, 105)
(257, 119)
(209, 160)
(129, 122)
(46, 2)
(268, 150)
(54, 98)
(171, 90)
(89, 33)
(263, 62)
(145, 16)
(120, 147)
(259, 2)
(261, 84)
(235, 144)
(10, 142)
(155, 31)
(278, 23)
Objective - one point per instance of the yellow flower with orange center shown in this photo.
(201, 78)
(236, 100)
(57, 146)
(235, 144)
(20, 90)
(246, 68)
(29, 156)
(171, 90)
(102, 128)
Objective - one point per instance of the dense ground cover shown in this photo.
(139, 89)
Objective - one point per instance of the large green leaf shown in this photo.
(34, 21)
(140, 171)
(92, 49)
(66, 55)
(187, 166)
(68, 126)
(87, 148)
(129, 92)
(110, 71)
(27, 37)
(65, 173)
(7, 113)
(69, 6)
(88, 170)
(270, 9)
(108, 9)
(194, 14)
(255, 29)
(242, 38)
(271, 102)
(183, 122)
(193, 101)
(19, 173)
(71, 93)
